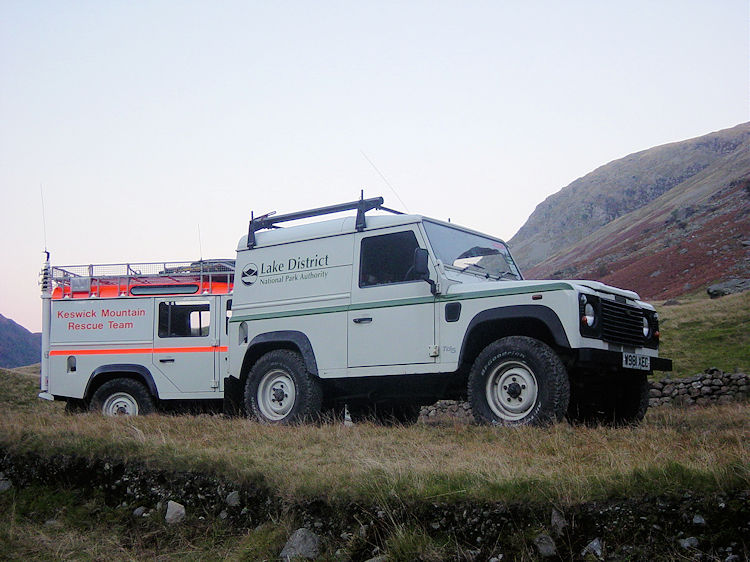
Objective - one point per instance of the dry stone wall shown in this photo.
(710, 387)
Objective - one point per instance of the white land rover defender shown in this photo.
(382, 313)
(387, 313)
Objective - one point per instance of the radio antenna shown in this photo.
(44, 217)
(200, 245)
(385, 180)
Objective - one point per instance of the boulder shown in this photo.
(233, 499)
(545, 546)
(594, 548)
(557, 523)
(728, 287)
(175, 513)
(302, 544)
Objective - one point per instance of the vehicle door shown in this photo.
(186, 341)
(391, 320)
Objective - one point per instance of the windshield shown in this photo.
(471, 252)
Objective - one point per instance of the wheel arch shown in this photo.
(282, 339)
(535, 321)
(106, 373)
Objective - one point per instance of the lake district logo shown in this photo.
(249, 274)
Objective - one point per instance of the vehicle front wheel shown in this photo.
(279, 389)
(518, 380)
(122, 397)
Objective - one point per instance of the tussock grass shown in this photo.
(672, 451)
(702, 332)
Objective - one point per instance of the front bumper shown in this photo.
(589, 357)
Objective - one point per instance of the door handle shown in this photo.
(168, 360)
(365, 320)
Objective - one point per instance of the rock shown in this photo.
(557, 523)
(671, 302)
(302, 544)
(654, 393)
(728, 287)
(139, 511)
(594, 548)
(5, 484)
(698, 520)
(690, 542)
(472, 555)
(223, 514)
(233, 499)
(545, 546)
(496, 558)
(175, 513)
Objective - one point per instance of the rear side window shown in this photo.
(184, 319)
(388, 258)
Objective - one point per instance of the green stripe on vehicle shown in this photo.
(405, 302)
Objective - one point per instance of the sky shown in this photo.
(144, 122)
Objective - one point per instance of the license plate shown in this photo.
(635, 361)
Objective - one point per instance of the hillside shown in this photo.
(18, 346)
(664, 221)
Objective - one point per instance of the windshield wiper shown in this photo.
(474, 265)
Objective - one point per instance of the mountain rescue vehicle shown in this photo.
(379, 313)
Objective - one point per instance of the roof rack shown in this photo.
(112, 280)
(270, 220)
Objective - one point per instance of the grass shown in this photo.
(673, 450)
(40, 523)
(702, 332)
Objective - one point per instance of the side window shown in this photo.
(190, 319)
(388, 258)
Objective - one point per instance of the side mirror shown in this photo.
(421, 268)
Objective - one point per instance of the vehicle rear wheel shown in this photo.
(279, 389)
(518, 381)
(122, 397)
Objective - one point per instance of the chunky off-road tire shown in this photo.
(122, 397)
(518, 381)
(279, 390)
(616, 400)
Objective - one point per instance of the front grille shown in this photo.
(622, 323)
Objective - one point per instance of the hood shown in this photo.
(602, 288)
(540, 285)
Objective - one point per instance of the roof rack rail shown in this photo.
(270, 220)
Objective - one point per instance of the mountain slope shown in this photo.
(18, 346)
(623, 186)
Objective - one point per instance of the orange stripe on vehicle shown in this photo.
(222, 348)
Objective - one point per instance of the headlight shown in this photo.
(646, 328)
(589, 315)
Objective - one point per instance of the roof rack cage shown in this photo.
(270, 220)
(118, 279)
